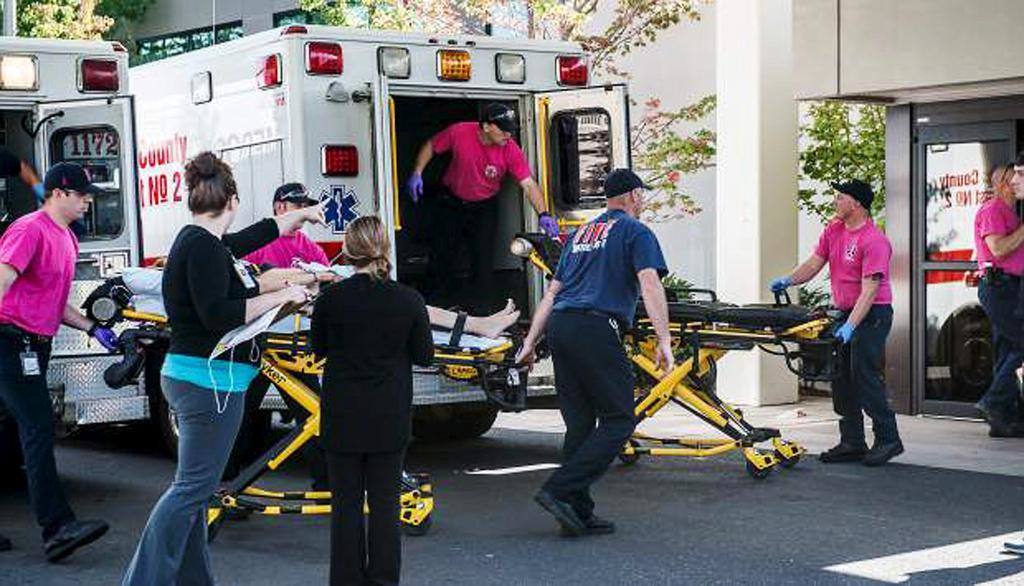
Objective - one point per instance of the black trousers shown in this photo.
(860, 387)
(246, 446)
(594, 380)
(459, 225)
(364, 553)
(28, 401)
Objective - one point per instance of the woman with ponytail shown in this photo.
(207, 293)
(371, 330)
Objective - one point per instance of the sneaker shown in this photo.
(5, 544)
(843, 453)
(881, 453)
(1014, 548)
(594, 525)
(563, 513)
(72, 536)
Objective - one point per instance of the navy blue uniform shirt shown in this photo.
(599, 265)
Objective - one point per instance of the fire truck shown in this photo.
(68, 101)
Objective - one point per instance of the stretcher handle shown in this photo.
(782, 298)
(712, 296)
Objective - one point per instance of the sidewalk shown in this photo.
(930, 441)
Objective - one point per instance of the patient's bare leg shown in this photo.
(490, 326)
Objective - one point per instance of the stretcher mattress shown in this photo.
(753, 316)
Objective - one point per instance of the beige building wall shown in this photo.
(917, 50)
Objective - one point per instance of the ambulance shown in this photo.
(344, 112)
(68, 101)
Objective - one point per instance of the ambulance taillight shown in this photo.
(269, 75)
(572, 70)
(324, 58)
(98, 75)
(295, 29)
(454, 65)
(394, 62)
(339, 160)
(18, 72)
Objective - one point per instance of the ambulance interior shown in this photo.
(417, 119)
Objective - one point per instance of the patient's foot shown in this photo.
(493, 325)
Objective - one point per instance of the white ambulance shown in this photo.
(68, 101)
(344, 112)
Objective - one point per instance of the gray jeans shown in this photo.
(172, 549)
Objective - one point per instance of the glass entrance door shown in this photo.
(953, 346)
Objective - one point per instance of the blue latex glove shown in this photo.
(105, 336)
(39, 191)
(415, 186)
(845, 332)
(549, 225)
(781, 284)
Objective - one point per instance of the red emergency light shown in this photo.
(339, 160)
(295, 29)
(269, 74)
(572, 70)
(98, 75)
(324, 58)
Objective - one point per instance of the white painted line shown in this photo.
(512, 470)
(899, 568)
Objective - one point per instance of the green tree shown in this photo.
(124, 13)
(61, 19)
(841, 141)
(661, 151)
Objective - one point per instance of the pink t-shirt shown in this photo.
(853, 255)
(280, 253)
(476, 170)
(995, 217)
(44, 253)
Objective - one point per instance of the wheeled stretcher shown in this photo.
(703, 331)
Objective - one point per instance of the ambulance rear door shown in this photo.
(385, 169)
(97, 134)
(581, 135)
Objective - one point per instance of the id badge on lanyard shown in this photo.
(243, 274)
(29, 362)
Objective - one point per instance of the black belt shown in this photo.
(449, 198)
(596, 313)
(997, 276)
(13, 331)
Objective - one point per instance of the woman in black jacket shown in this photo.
(371, 330)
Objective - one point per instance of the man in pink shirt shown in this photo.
(290, 247)
(998, 235)
(858, 255)
(467, 209)
(37, 264)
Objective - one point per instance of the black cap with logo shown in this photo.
(69, 177)
(858, 190)
(621, 181)
(294, 193)
(501, 116)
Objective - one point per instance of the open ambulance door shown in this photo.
(582, 134)
(97, 134)
(385, 165)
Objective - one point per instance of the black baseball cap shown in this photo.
(621, 181)
(294, 193)
(501, 116)
(858, 190)
(69, 177)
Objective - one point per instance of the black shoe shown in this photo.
(843, 453)
(72, 536)
(594, 525)
(563, 513)
(881, 453)
(1015, 548)
(5, 544)
(998, 424)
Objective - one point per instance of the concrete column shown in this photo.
(755, 203)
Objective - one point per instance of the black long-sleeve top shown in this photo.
(203, 292)
(371, 333)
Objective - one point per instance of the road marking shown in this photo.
(512, 470)
(899, 568)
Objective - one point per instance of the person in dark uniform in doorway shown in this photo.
(466, 207)
(858, 256)
(998, 239)
(607, 264)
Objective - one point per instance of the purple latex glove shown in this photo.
(105, 336)
(415, 186)
(549, 225)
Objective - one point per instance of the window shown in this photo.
(581, 157)
(958, 338)
(98, 150)
(164, 46)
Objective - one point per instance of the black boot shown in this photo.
(843, 453)
(72, 536)
(882, 452)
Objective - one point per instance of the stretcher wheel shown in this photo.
(787, 462)
(629, 459)
(418, 530)
(758, 473)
